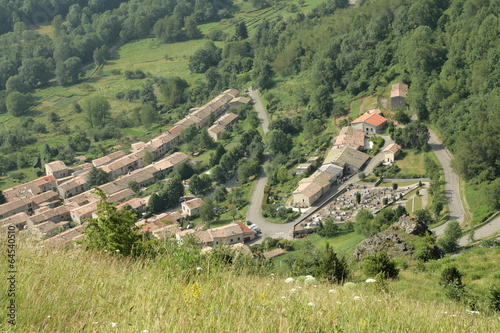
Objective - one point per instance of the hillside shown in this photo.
(76, 291)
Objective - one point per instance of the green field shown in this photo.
(411, 163)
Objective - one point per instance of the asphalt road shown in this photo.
(451, 186)
(486, 230)
(254, 212)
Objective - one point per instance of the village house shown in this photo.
(125, 164)
(72, 187)
(143, 177)
(49, 228)
(399, 92)
(191, 207)
(46, 183)
(57, 214)
(215, 131)
(190, 121)
(18, 206)
(350, 159)
(165, 165)
(108, 158)
(137, 204)
(67, 236)
(48, 199)
(82, 199)
(306, 194)
(312, 188)
(314, 160)
(273, 254)
(351, 137)
(228, 234)
(84, 212)
(227, 120)
(391, 152)
(235, 232)
(160, 226)
(370, 123)
(18, 220)
(26, 190)
(238, 102)
(120, 195)
(334, 170)
(303, 168)
(57, 169)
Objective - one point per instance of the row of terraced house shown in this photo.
(62, 199)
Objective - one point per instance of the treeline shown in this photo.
(85, 31)
(447, 51)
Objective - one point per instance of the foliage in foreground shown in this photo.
(70, 291)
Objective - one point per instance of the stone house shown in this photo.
(72, 187)
(191, 207)
(351, 137)
(399, 92)
(57, 169)
(370, 123)
(391, 152)
(350, 159)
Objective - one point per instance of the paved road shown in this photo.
(285, 230)
(254, 212)
(486, 230)
(451, 186)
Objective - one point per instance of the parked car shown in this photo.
(249, 222)
(255, 228)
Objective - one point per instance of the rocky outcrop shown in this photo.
(392, 239)
(409, 224)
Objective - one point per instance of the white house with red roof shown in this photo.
(372, 122)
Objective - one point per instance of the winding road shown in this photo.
(285, 230)
(452, 183)
(254, 212)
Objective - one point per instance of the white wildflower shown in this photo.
(268, 284)
(272, 274)
(48, 316)
(357, 297)
(289, 280)
(311, 304)
(113, 324)
(293, 290)
(145, 331)
(199, 268)
(95, 322)
(117, 250)
(283, 297)
(331, 291)
(370, 280)
(472, 312)
(379, 300)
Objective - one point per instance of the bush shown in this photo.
(380, 263)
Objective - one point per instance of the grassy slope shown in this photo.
(81, 292)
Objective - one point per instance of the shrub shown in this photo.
(451, 280)
(380, 263)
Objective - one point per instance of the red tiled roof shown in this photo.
(372, 119)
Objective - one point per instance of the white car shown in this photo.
(255, 228)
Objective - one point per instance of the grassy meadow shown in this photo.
(77, 291)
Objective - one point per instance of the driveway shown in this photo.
(451, 186)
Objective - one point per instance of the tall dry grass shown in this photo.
(76, 291)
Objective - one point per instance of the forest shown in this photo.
(447, 51)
